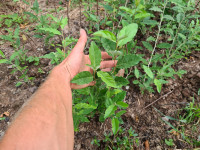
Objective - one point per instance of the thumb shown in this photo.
(81, 42)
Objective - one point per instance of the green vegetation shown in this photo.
(174, 33)
(123, 140)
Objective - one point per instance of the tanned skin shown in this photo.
(45, 122)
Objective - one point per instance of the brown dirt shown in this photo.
(147, 122)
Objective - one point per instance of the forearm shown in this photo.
(45, 122)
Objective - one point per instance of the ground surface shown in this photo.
(147, 122)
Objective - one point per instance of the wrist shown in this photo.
(60, 75)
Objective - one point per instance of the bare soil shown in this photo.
(146, 121)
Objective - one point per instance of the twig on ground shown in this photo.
(158, 99)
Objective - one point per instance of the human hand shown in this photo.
(77, 60)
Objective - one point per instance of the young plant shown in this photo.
(106, 97)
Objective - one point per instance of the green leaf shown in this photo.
(105, 77)
(155, 8)
(108, 45)
(148, 71)
(95, 56)
(164, 45)
(2, 118)
(84, 106)
(115, 53)
(168, 17)
(120, 81)
(128, 61)
(182, 36)
(106, 34)
(18, 84)
(119, 96)
(120, 113)
(169, 142)
(38, 36)
(36, 7)
(127, 34)
(3, 61)
(128, 10)
(2, 54)
(137, 73)
(31, 15)
(16, 33)
(147, 45)
(158, 85)
(25, 2)
(150, 22)
(110, 110)
(84, 119)
(136, 82)
(84, 77)
(180, 17)
(142, 15)
(115, 125)
(150, 39)
(51, 30)
(64, 23)
(122, 104)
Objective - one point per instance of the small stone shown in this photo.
(158, 148)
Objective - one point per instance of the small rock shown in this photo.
(78, 146)
(158, 148)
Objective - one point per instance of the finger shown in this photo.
(104, 55)
(79, 47)
(108, 64)
(75, 86)
(81, 42)
(106, 70)
(120, 73)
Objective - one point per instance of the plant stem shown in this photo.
(175, 36)
(97, 8)
(122, 16)
(80, 11)
(68, 5)
(159, 27)
(63, 38)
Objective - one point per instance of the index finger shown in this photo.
(104, 55)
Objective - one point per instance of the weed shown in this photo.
(123, 140)
(169, 142)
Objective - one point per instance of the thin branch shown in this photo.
(97, 8)
(68, 5)
(159, 28)
(80, 11)
(158, 99)
(122, 16)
